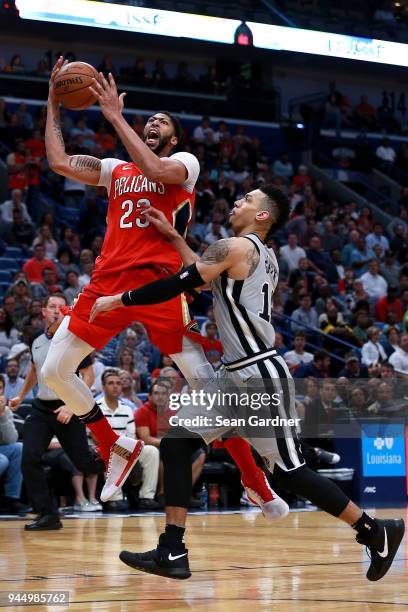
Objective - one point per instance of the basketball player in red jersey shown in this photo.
(133, 251)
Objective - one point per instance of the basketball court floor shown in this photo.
(305, 562)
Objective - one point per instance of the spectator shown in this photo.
(152, 422)
(358, 402)
(122, 421)
(16, 203)
(17, 167)
(318, 368)
(349, 248)
(211, 345)
(352, 367)
(279, 345)
(73, 287)
(360, 256)
(20, 233)
(331, 239)
(14, 383)
(377, 237)
(320, 417)
(389, 303)
(41, 290)
(386, 155)
(216, 231)
(24, 118)
(372, 352)
(8, 333)
(373, 283)
(292, 253)
(399, 359)
(65, 263)
(392, 341)
(10, 459)
(127, 363)
(201, 131)
(45, 237)
(385, 404)
(390, 269)
(298, 355)
(33, 268)
(302, 178)
(317, 257)
(16, 65)
(305, 315)
(365, 114)
(82, 135)
(21, 292)
(283, 167)
(129, 396)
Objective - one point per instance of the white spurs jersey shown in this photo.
(242, 308)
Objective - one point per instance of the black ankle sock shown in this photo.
(366, 526)
(95, 414)
(175, 536)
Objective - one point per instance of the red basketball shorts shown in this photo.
(164, 322)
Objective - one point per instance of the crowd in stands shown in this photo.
(340, 309)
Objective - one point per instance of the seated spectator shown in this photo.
(21, 292)
(389, 303)
(358, 402)
(298, 355)
(16, 203)
(279, 344)
(331, 240)
(129, 395)
(392, 342)
(201, 131)
(152, 422)
(215, 231)
(283, 167)
(15, 65)
(17, 167)
(365, 220)
(352, 367)
(302, 178)
(41, 290)
(349, 248)
(20, 233)
(292, 253)
(372, 353)
(45, 237)
(65, 263)
(360, 256)
(373, 283)
(36, 145)
(320, 417)
(377, 237)
(33, 268)
(8, 333)
(317, 257)
(10, 459)
(390, 269)
(365, 114)
(82, 135)
(73, 287)
(385, 404)
(399, 358)
(386, 155)
(318, 368)
(304, 315)
(122, 421)
(13, 383)
(127, 363)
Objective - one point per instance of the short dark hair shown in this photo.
(57, 294)
(320, 355)
(178, 130)
(277, 201)
(299, 333)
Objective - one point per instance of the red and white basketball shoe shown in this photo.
(123, 456)
(261, 494)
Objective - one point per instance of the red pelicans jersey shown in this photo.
(130, 240)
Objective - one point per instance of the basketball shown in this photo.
(71, 85)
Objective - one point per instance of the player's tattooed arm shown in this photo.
(216, 252)
(252, 259)
(85, 163)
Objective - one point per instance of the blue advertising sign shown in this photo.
(383, 450)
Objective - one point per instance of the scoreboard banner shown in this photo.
(213, 29)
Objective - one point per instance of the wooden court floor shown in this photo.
(305, 562)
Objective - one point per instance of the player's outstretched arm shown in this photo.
(165, 170)
(230, 255)
(84, 168)
(160, 221)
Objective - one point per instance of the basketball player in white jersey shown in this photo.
(243, 274)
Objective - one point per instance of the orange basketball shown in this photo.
(71, 85)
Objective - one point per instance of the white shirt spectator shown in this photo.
(371, 353)
(301, 317)
(386, 154)
(7, 341)
(399, 359)
(372, 240)
(6, 212)
(200, 133)
(374, 285)
(294, 358)
(292, 256)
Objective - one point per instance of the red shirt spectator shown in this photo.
(34, 267)
(36, 145)
(17, 168)
(147, 426)
(211, 345)
(302, 178)
(389, 303)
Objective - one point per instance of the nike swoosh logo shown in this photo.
(171, 558)
(384, 553)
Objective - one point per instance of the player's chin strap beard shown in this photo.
(163, 142)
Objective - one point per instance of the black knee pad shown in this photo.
(318, 489)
